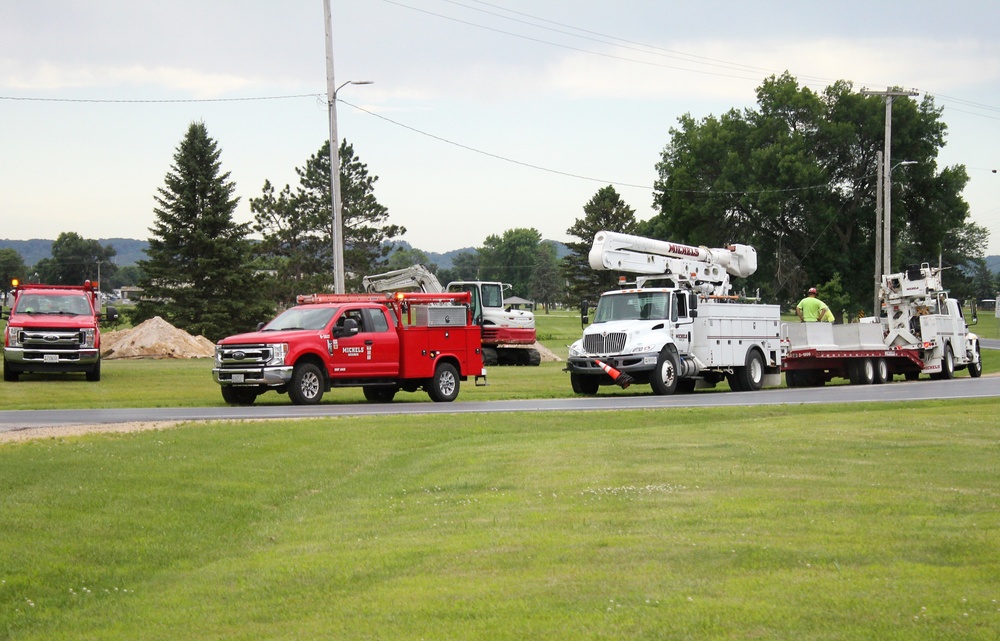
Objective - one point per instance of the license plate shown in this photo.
(649, 360)
(51, 358)
(237, 378)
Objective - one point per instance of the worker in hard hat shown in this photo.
(811, 309)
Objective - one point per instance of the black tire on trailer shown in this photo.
(307, 384)
(663, 380)
(911, 376)
(976, 369)
(751, 375)
(587, 385)
(443, 387)
(94, 374)
(793, 378)
(882, 374)
(239, 395)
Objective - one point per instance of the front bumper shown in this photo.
(267, 376)
(21, 359)
(627, 363)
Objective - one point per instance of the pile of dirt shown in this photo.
(548, 356)
(155, 338)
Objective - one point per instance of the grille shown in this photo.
(245, 355)
(51, 339)
(612, 343)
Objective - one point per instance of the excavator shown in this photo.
(508, 335)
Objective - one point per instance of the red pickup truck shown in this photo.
(382, 343)
(54, 328)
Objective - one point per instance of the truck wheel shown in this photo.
(306, 386)
(584, 384)
(664, 379)
(239, 395)
(976, 369)
(750, 377)
(881, 371)
(793, 378)
(9, 375)
(861, 371)
(94, 374)
(379, 393)
(444, 386)
(947, 364)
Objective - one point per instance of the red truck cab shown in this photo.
(54, 328)
(382, 343)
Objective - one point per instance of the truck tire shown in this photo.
(443, 388)
(947, 366)
(861, 371)
(94, 374)
(306, 386)
(663, 379)
(882, 374)
(587, 385)
(379, 393)
(976, 369)
(239, 395)
(9, 375)
(750, 377)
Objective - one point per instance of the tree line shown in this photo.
(794, 176)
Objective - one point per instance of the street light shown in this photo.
(337, 206)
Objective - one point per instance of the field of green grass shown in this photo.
(819, 522)
(868, 521)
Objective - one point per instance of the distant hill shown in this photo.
(129, 251)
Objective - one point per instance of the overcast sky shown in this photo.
(483, 115)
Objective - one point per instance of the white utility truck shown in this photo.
(921, 330)
(508, 334)
(678, 326)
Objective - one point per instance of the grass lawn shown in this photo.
(835, 522)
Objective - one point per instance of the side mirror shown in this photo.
(260, 325)
(584, 313)
(693, 305)
(349, 328)
(112, 314)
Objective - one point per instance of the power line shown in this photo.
(160, 101)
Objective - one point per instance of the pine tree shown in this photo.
(198, 275)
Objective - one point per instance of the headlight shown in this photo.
(13, 336)
(87, 337)
(278, 353)
(218, 355)
(576, 349)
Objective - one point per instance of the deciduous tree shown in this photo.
(605, 211)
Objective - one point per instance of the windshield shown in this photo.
(302, 318)
(53, 304)
(635, 306)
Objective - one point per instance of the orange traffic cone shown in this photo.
(621, 379)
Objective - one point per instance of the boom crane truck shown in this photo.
(508, 335)
(678, 326)
(921, 330)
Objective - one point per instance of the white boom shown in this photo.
(701, 269)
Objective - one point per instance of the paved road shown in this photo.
(989, 343)
(987, 386)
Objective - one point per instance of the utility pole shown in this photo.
(889, 95)
(878, 232)
(336, 222)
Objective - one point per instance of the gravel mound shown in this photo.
(155, 338)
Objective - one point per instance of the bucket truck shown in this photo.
(921, 330)
(508, 335)
(678, 326)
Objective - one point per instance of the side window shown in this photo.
(673, 307)
(357, 316)
(376, 320)
(682, 305)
